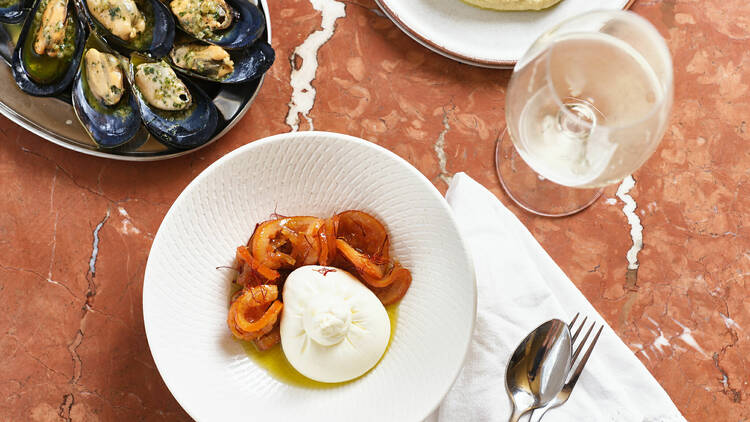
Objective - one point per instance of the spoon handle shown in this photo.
(516, 415)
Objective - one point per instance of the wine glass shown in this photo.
(585, 107)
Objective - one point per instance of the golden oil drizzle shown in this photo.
(275, 363)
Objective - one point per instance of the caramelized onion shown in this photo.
(396, 289)
(250, 317)
(269, 340)
(287, 242)
(253, 273)
(365, 265)
(363, 232)
(327, 238)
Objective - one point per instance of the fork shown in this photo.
(564, 394)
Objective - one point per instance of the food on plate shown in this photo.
(231, 24)
(104, 76)
(121, 17)
(144, 26)
(513, 4)
(161, 87)
(318, 286)
(121, 100)
(49, 49)
(174, 110)
(333, 328)
(202, 18)
(208, 60)
(51, 33)
(102, 99)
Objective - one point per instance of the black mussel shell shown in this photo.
(183, 129)
(156, 41)
(249, 64)
(6, 44)
(108, 126)
(52, 75)
(15, 12)
(247, 27)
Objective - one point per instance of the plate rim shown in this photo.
(289, 136)
(436, 48)
(63, 141)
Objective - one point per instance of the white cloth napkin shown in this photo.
(519, 287)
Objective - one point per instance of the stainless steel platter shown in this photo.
(53, 118)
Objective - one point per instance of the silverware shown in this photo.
(564, 394)
(538, 367)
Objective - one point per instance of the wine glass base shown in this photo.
(533, 192)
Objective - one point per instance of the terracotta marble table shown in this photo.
(75, 231)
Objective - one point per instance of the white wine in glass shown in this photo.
(586, 106)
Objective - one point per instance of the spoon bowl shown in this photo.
(536, 371)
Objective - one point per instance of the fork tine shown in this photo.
(573, 340)
(585, 358)
(583, 342)
(574, 320)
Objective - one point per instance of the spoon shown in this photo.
(537, 369)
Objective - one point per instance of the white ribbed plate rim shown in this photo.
(186, 329)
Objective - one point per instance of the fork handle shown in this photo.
(537, 414)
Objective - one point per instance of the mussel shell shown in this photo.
(158, 19)
(14, 13)
(245, 29)
(6, 44)
(19, 68)
(183, 129)
(108, 126)
(249, 64)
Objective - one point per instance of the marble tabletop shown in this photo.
(75, 231)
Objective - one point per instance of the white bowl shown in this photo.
(185, 298)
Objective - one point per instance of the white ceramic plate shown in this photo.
(482, 37)
(185, 298)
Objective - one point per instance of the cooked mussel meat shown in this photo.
(104, 76)
(102, 100)
(121, 17)
(175, 110)
(49, 48)
(161, 87)
(202, 18)
(231, 24)
(144, 26)
(208, 60)
(216, 64)
(51, 32)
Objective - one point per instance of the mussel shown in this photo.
(12, 11)
(213, 63)
(49, 48)
(231, 24)
(145, 26)
(102, 99)
(174, 109)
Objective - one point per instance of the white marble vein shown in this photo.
(303, 93)
(636, 229)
